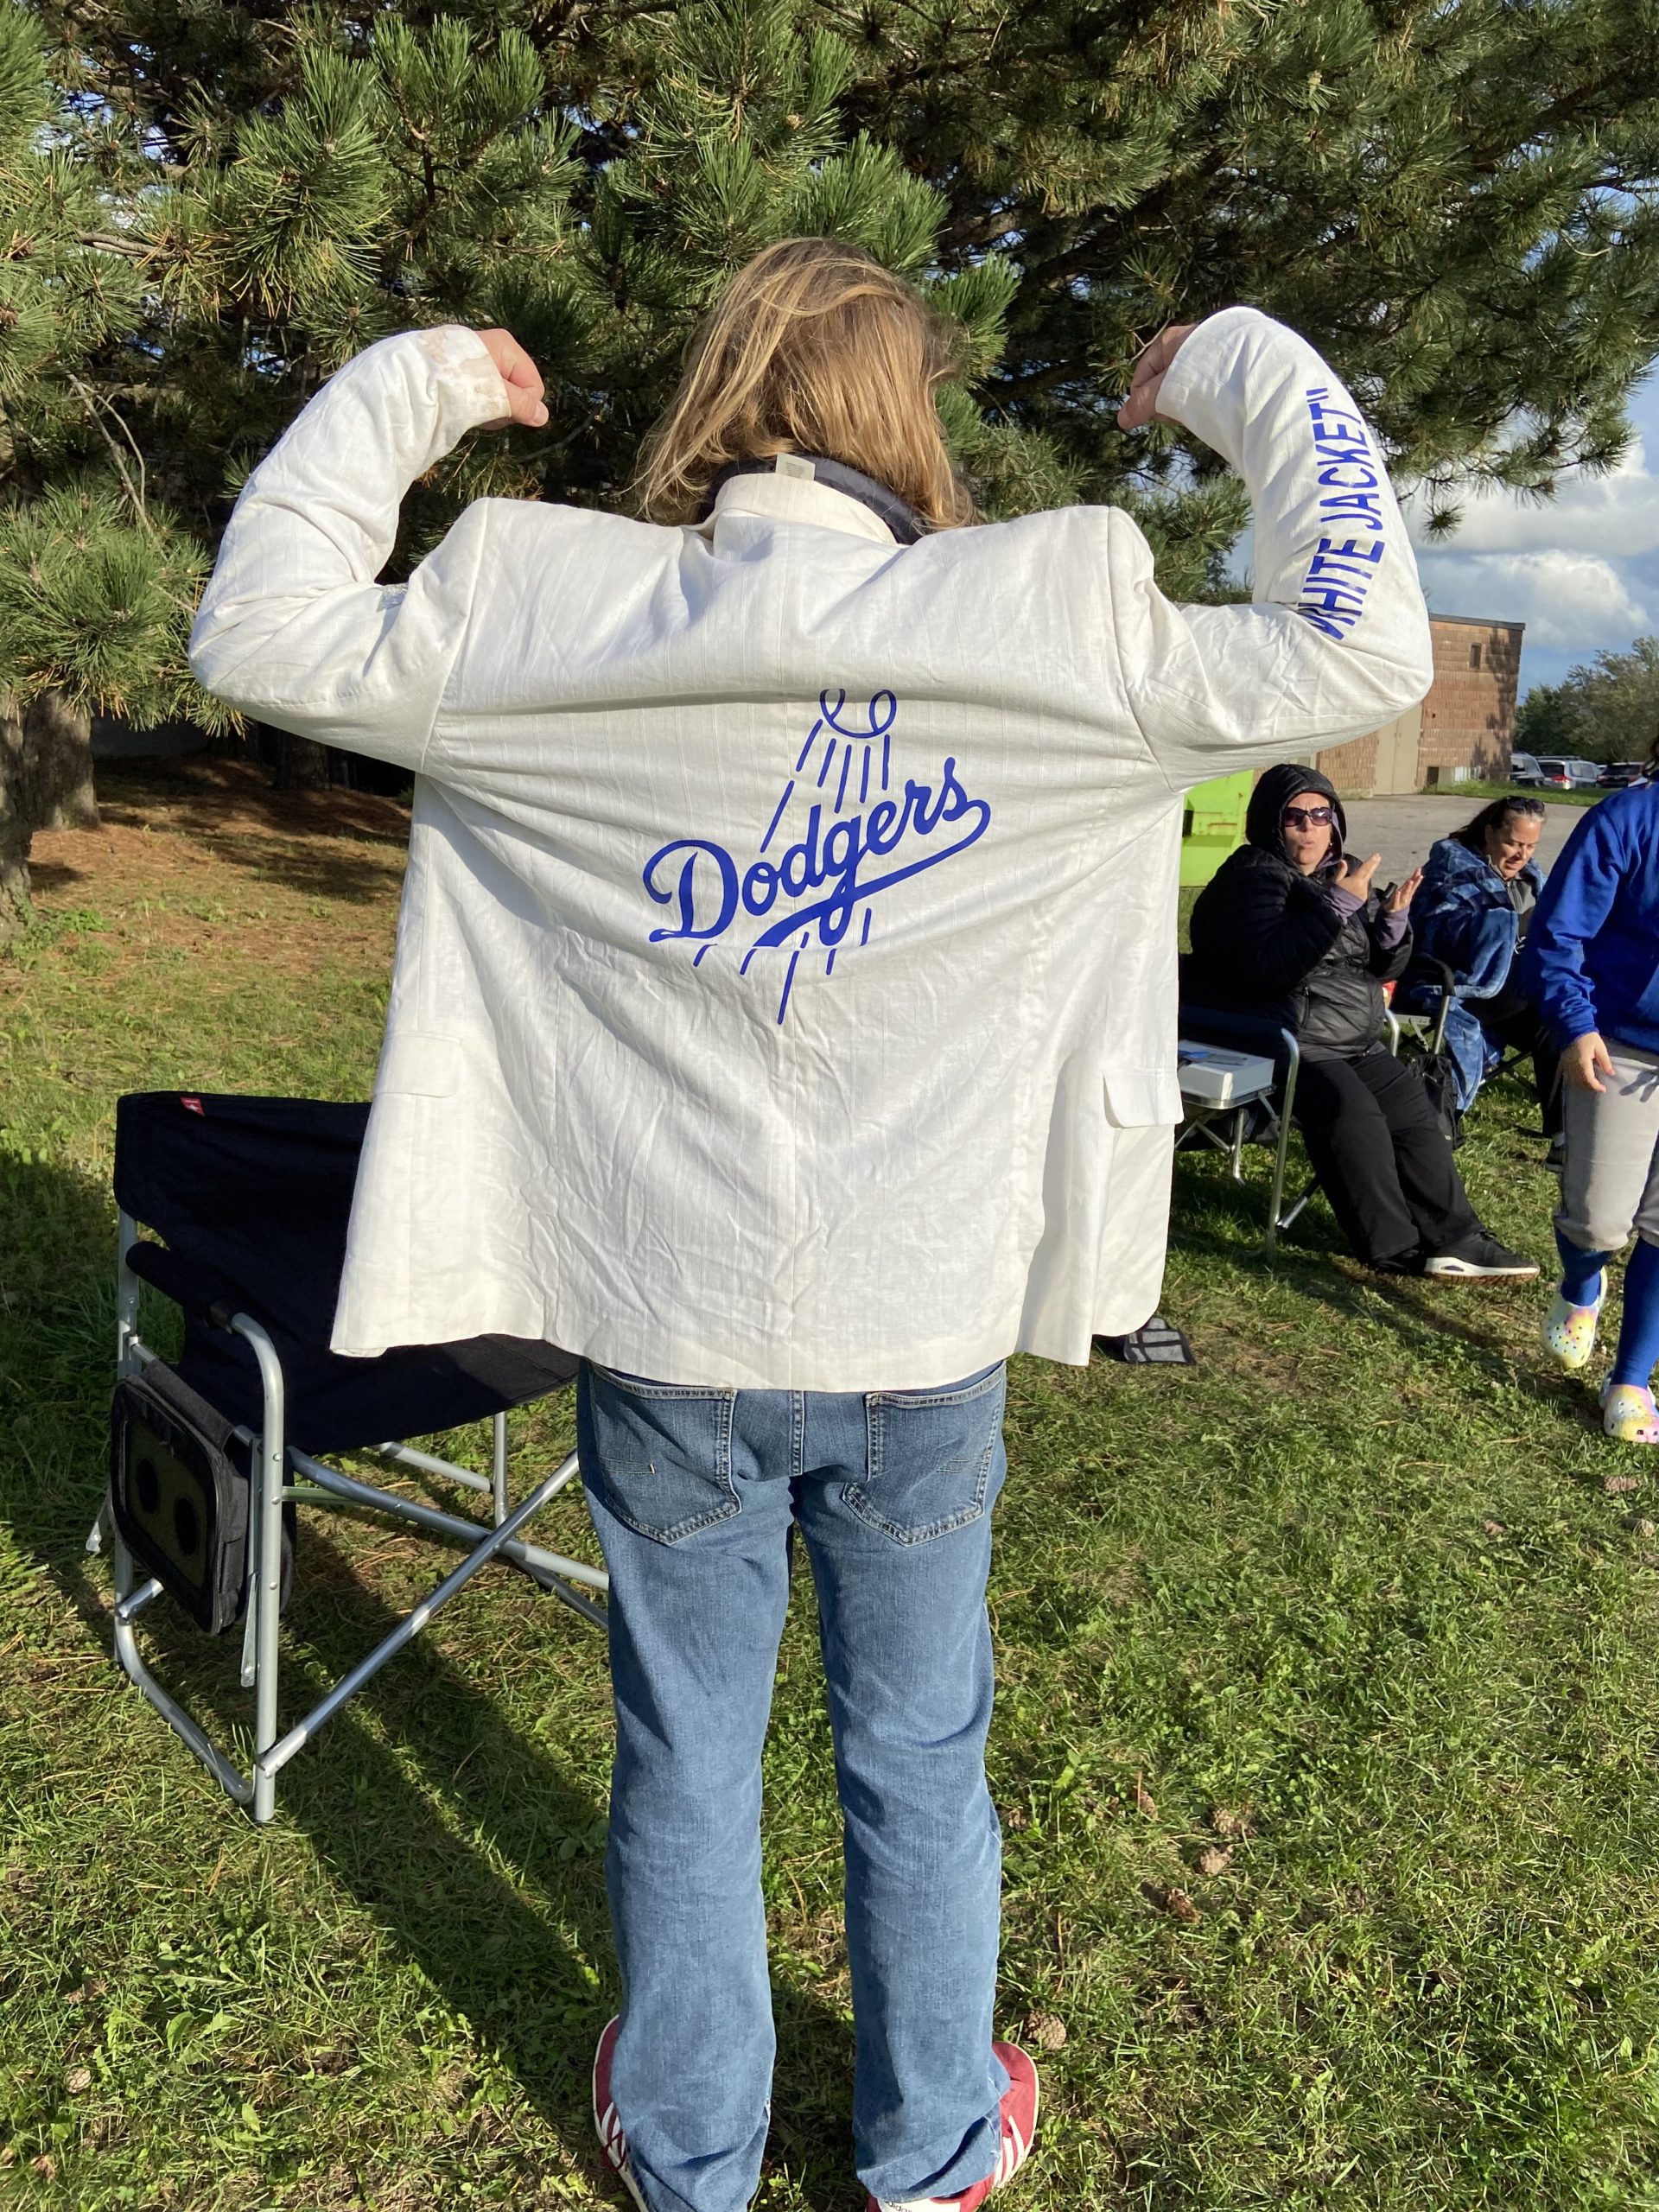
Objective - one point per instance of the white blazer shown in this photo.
(784, 992)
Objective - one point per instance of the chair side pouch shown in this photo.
(179, 1495)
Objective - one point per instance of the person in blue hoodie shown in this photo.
(1592, 964)
(1480, 887)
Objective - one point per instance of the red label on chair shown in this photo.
(193, 1106)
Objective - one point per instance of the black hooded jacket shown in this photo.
(1268, 940)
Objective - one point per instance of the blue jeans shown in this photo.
(694, 1493)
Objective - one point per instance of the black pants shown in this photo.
(1381, 1157)
(1512, 1022)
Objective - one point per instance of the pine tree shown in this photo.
(1452, 197)
(95, 588)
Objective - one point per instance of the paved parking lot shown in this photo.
(1403, 829)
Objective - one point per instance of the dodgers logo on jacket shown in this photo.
(846, 851)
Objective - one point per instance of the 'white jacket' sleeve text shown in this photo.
(1337, 641)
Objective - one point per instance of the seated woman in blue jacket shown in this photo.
(1593, 963)
(1471, 914)
(1290, 929)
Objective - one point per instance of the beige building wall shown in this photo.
(1462, 730)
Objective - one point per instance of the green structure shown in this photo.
(1213, 825)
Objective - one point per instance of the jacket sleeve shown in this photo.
(1251, 930)
(1488, 951)
(1441, 931)
(1577, 900)
(1337, 642)
(1387, 961)
(292, 628)
(1458, 924)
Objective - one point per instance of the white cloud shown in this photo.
(1566, 597)
(1615, 515)
(1581, 570)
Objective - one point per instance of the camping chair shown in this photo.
(1420, 1006)
(1262, 1119)
(252, 1197)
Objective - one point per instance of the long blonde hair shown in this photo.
(813, 347)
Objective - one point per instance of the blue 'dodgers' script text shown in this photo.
(846, 850)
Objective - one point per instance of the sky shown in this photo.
(1581, 570)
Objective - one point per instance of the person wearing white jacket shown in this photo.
(784, 1019)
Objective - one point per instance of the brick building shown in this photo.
(1462, 731)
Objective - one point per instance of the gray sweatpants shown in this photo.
(1610, 1186)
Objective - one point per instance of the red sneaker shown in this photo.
(613, 2142)
(1019, 2127)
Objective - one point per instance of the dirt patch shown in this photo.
(201, 856)
(205, 797)
(1273, 1354)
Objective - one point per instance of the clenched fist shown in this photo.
(1141, 405)
(522, 379)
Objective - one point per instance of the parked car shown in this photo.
(1554, 771)
(1617, 773)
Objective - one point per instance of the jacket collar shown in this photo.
(794, 499)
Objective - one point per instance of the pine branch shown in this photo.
(135, 492)
(102, 242)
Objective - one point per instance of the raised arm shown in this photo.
(1337, 641)
(292, 628)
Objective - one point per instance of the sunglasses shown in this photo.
(1308, 817)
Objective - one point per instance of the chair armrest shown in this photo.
(1207, 1024)
(1435, 1040)
(202, 1293)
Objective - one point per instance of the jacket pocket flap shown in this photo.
(1138, 1097)
(420, 1064)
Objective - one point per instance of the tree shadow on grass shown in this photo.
(55, 876)
(179, 819)
(207, 795)
(487, 1865)
(312, 862)
(478, 1850)
(319, 868)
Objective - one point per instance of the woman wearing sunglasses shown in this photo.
(1291, 929)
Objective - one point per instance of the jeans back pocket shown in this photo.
(657, 1455)
(932, 1454)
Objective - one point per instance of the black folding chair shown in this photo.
(1424, 1001)
(252, 1197)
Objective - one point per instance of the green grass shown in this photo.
(1353, 1590)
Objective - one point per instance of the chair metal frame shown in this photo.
(1201, 1123)
(1428, 1029)
(1277, 1101)
(271, 1459)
